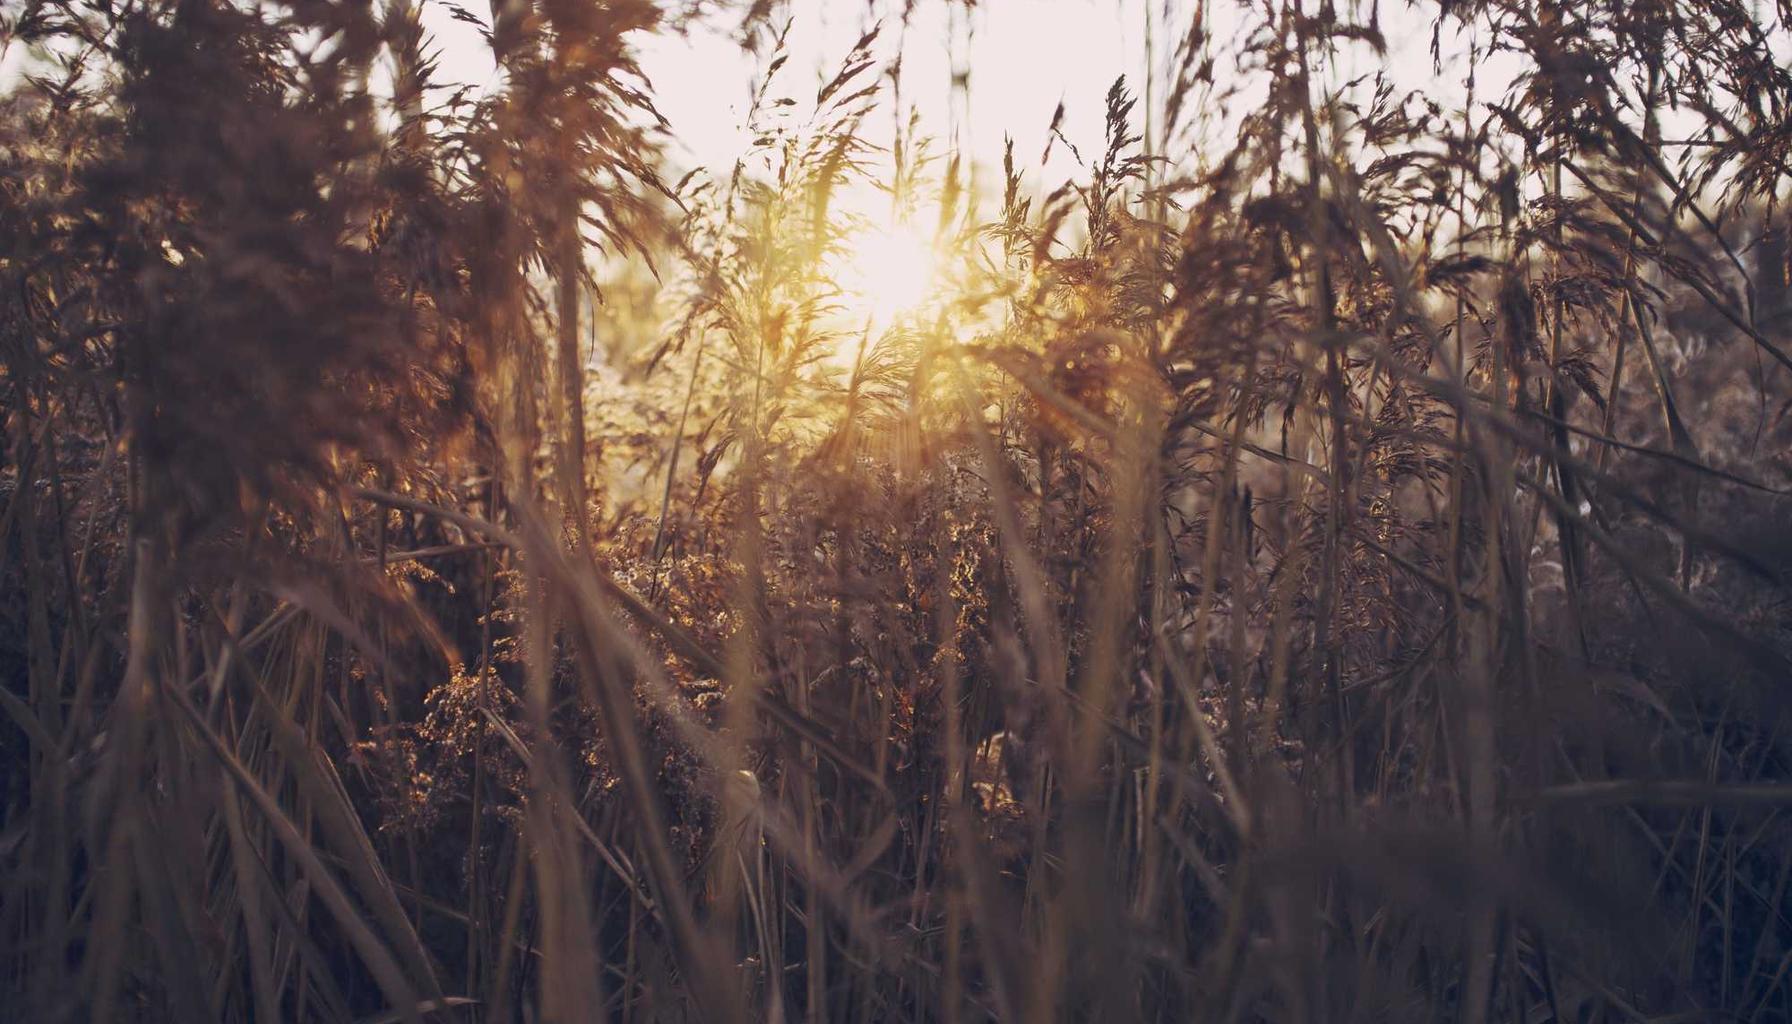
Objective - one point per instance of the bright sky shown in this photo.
(1025, 56)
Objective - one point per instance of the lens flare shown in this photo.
(888, 271)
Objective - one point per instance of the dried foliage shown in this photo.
(1334, 573)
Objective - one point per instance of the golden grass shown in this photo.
(1341, 576)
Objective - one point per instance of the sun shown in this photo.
(888, 270)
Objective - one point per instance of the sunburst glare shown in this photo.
(886, 271)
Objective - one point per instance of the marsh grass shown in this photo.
(1339, 574)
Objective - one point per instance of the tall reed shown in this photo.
(1322, 563)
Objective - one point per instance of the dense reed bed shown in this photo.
(1327, 561)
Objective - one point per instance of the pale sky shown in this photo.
(1025, 57)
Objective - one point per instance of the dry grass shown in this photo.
(1341, 575)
